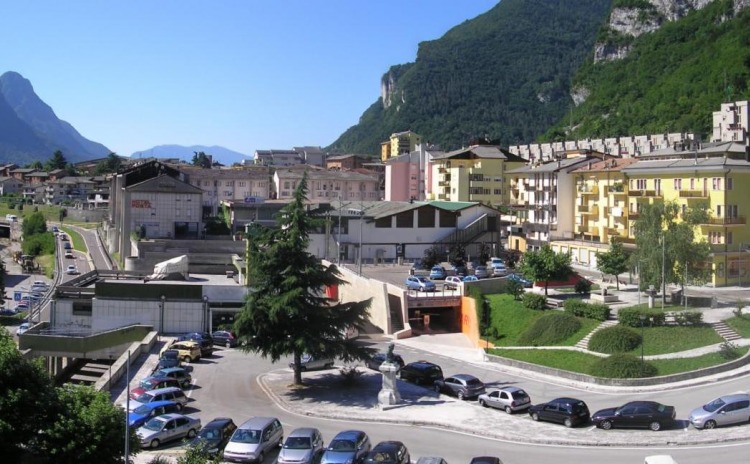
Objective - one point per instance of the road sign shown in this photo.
(16, 296)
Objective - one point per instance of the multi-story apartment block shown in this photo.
(313, 156)
(229, 184)
(345, 162)
(732, 123)
(475, 174)
(408, 177)
(326, 185)
(400, 143)
(9, 185)
(542, 196)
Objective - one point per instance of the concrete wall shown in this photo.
(470, 320)
(204, 256)
(361, 288)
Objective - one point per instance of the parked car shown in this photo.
(71, 270)
(189, 351)
(459, 270)
(566, 411)
(452, 282)
(509, 399)
(347, 447)
(9, 311)
(254, 439)
(494, 261)
(470, 278)
(485, 460)
(461, 386)
(481, 272)
(302, 446)
(499, 270)
(526, 283)
(647, 414)
(431, 460)
(724, 410)
(167, 427)
(419, 265)
(225, 338)
(421, 373)
(204, 339)
(180, 374)
(23, 328)
(21, 307)
(69, 254)
(310, 362)
(388, 452)
(438, 273)
(419, 283)
(379, 358)
(146, 412)
(214, 436)
(152, 383)
(67, 246)
(169, 358)
(162, 394)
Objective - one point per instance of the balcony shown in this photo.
(633, 214)
(693, 194)
(585, 189)
(444, 183)
(644, 193)
(589, 209)
(442, 170)
(726, 221)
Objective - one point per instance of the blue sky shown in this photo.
(243, 74)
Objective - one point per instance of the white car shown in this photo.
(23, 328)
(452, 282)
(71, 270)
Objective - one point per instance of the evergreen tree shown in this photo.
(201, 159)
(57, 161)
(286, 312)
(111, 164)
(545, 265)
(614, 261)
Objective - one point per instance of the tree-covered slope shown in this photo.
(671, 80)
(505, 74)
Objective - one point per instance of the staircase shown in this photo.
(584, 343)
(485, 223)
(726, 332)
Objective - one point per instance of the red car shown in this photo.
(152, 383)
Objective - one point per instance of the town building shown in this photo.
(229, 185)
(407, 176)
(345, 162)
(399, 143)
(325, 185)
(313, 156)
(732, 123)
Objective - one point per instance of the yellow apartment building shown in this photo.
(474, 174)
(400, 143)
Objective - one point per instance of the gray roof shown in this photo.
(381, 209)
(479, 151)
(552, 166)
(687, 165)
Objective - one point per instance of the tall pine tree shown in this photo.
(287, 312)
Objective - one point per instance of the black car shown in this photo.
(214, 436)
(224, 338)
(636, 414)
(461, 386)
(169, 358)
(204, 339)
(379, 358)
(421, 373)
(566, 411)
(388, 452)
(486, 460)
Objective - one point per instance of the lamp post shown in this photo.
(162, 299)
(359, 254)
(663, 270)
(127, 408)
(206, 314)
(643, 339)
(110, 370)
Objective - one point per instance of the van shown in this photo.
(254, 439)
(161, 394)
(11, 217)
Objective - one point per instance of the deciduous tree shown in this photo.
(286, 312)
(613, 262)
(545, 265)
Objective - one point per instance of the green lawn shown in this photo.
(670, 339)
(741, 325)
(675, 366)
(511, 319)
(76, 239)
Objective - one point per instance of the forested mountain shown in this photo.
(30, 130)
(644, 80)
(505, 74)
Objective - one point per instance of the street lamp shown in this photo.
(162, 299)
(643, 339)
(206, 315)
(110, 369)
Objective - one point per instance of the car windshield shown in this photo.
(210, 434)
(154, 424)
(144, 398)
(714, 405)
(142, 410)
(246, 436)
(170, 354)
(422, 279)
(297, 443)
(342, 445)
(380, 456)
(433, 370)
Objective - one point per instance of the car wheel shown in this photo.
(329, 366)
(460, 395)
(155, 443)
(482, 403)
(437, 388)
(187, 359)
(606, 425)
(228, 344)
(261, 456)
(655, 426)
(534, 416)
(509, 410)
(178, 406)
(191, 433)
(709, 424)
(568, 422)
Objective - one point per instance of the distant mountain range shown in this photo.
(30, 130)
(223, 155)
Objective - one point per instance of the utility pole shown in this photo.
(663, 270)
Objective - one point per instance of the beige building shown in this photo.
(324, 185)
(229, 185)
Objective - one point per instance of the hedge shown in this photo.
(580, 308)
(631, 317)
(615, 339)
(534, 301)
(693, 318)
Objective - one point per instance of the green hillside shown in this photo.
(505, 74)
(671, 80)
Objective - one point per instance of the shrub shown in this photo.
(729, 351)
(550, 329)
(631, 317)
(615, 339)
(534, 301)
(514, 287)
(623, 366)
(692, 318)
(583, 286)
(580, 308)
(350, 375)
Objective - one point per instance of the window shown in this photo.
(692, 184)
(730, 183)
(405, 219)
(730, 238)
(732, 211)
(448, 218)
(242, 183)
(426, 217)
(286, 185)
(230, 183)
(657, 186)
(716, 183)
(718, 211)
(678, 184)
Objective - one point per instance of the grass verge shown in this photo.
(672, 339)
(76, 239)
(741, 325)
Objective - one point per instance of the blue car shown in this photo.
(419, 283)
(521, 280)
(347, 447)
(438, 273)
(146, 412)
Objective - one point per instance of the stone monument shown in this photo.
(389, 394)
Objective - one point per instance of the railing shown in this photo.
(633, 214)
(470, 232)
(693, 194)
(726, 221)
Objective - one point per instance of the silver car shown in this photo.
(309, 362)
(724, 410)
(302, 446)
(509, 399)
(167, 427)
